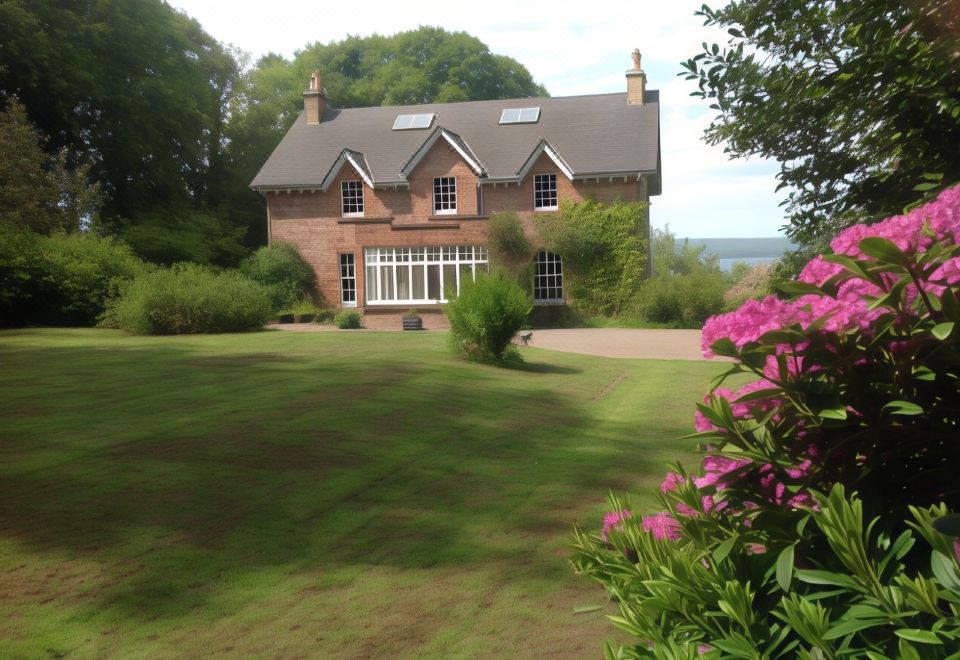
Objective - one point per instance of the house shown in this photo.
(390, 204)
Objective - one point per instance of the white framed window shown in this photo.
(545, 192)
(548, 278)
(420, 274)
(348, 280)
(351, 198)
(445, 195)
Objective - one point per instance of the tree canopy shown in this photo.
(173, 126)
(859, 101)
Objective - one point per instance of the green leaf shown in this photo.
(796, 288)
(945, 570)
(884, 250)
(825, 577)
(917, 635)
(725, 347)
(948, 524)
(785, 568)
(848, 626)
(722, 550)
(923, 187)
(834, 413)
(943, 330)
(903, 408)
(736, 646)
(583, 609)
(907, 652)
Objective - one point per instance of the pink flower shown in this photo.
(703, 649)
(662, 525)
(612, 521)
(715, 468)
(948, 272)
(956, 550)
(801, 470)
(756, 548)
(670, 482)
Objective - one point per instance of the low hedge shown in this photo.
(190, 299)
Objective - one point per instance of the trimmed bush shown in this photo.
(486, 316)
(190, 299)
(286, 276)
(348, 319)
(797, 534)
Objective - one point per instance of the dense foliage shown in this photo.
(765, 551)
(858, 101)
(487, 315)
(61, 279)
(190, 299)
(39, 191)
(283, 272)
(604, 249)
(510, 248)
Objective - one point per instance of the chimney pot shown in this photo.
(636, 81)
(315, 99)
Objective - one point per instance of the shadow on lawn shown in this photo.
(179, 471)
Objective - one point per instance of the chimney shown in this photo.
(315, 99)
(636, 81)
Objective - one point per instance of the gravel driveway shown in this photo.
(623, 342)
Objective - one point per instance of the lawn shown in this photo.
(313, 495)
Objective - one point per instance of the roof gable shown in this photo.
(455, 141)
(587, 136)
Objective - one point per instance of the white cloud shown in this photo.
(570, 51)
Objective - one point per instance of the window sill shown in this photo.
(547, 303)
(546, 209)
(448, 218)
(360, 220)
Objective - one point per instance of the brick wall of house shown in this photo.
(397, 218)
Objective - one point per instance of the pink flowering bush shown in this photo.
(796, 535)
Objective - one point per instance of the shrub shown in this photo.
(486, 315)
(280, 268)
(765, 551)
(348, 319)
(82, 274)
(189, 299)
(604, 251)
(683, 301)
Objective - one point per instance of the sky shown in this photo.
(571, 48)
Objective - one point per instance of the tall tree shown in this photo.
(139, 91)
(40, 192)
(420, 66)
(859, 101)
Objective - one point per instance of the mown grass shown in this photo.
(326, 494)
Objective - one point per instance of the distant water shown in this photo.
(753, 251)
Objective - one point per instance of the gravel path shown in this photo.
(622, 342)
(603, 342)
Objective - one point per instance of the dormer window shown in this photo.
(445, 195)
(545, 192)
(351, 198)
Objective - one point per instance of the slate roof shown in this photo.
(595, 135)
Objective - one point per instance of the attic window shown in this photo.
(409, 122)
(520, 115)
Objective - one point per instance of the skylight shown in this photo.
(520, 115)
(409, 122)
